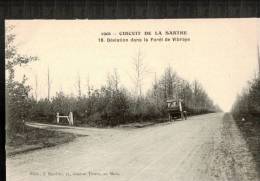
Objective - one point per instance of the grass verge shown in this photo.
(250, 128)
(35, 138)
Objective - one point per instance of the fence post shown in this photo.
(58, 118)
(71, 118)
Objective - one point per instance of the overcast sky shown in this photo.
(221, 53)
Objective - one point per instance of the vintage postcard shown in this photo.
(132, 100)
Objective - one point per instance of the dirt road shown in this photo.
(207, 147)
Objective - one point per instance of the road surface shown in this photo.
(207, 147)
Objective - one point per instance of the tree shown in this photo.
(248, 102)
(17, 92)
(49, 83)
(139, 72)
(36, 87)
(195, 99)
(113, 81)
(79, 86)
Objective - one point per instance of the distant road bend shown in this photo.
(202, 148)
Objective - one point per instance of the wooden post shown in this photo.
(71, 118)
(180, 105)
(58, 117)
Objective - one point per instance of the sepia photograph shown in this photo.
(132, 100)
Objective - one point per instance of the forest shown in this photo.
(110, 105)
(248, 102)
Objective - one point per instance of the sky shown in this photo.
(221, 53)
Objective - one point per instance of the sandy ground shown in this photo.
(205, 147)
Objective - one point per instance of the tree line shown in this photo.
(248, 102)
(110, 105)
(113, 104)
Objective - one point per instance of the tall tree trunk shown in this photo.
(36, 87)
(49, 84)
